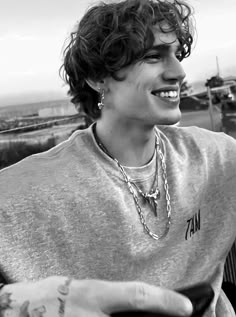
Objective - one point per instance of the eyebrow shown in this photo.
(165, 47)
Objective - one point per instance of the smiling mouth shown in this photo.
(171, 95)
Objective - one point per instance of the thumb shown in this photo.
(130, 296)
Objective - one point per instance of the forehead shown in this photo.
(163, 35)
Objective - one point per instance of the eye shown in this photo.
(155, 57)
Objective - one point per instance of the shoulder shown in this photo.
(214, 150)
(194, 136)
(50, 164)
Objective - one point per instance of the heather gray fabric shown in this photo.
(68, 211)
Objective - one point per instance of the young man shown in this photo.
(131, 199)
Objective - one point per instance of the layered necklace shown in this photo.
(150, 197)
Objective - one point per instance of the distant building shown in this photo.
(230, 78)
(56, 111)
(62, 107)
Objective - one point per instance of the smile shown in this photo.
(171, 95)
(167, 94)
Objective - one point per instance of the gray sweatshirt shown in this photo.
(69, 212)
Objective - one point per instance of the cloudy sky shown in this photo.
(32, 34)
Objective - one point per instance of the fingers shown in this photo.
(128, 296)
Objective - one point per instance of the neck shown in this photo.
(132, 145)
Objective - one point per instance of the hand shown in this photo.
(63, 297)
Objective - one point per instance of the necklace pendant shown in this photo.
(153, 195)
(152, 198)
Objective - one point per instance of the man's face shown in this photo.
(150, 94)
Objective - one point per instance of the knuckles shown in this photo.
(139, 295)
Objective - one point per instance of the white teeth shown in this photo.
(169, 94)
(162, 94)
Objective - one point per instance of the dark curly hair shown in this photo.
(112, 36)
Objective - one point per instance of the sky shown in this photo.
(33, 32)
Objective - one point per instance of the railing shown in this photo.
(40, 125)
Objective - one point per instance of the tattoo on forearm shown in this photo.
(64, 288)
(24, 309)
(39, 312)
(63, 291)
(36, 312)
(5, 303)
(62, 304)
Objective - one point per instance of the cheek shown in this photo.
(140, 77)
(148, 79)
(138, 83)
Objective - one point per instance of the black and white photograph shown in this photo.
(117, 158)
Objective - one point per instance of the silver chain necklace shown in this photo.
(153, 196)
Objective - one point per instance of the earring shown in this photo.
(101, 103)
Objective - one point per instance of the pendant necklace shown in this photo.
(154, 194)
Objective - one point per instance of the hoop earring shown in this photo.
(101, 103)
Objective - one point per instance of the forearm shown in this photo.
(42, 298)
(63, 297)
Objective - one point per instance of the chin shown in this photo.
(167, 116)
(170, 120)
(174, 122)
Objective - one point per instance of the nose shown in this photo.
(173, 70)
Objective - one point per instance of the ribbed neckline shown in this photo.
(142, 173)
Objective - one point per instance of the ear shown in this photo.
(96, 85)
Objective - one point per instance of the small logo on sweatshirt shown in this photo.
(193, 225)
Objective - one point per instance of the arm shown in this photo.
(64, 297)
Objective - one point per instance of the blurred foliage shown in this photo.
(233, 89)
(185, 88)
(13, 152)
(214, 81)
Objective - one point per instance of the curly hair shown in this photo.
(112, 36)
